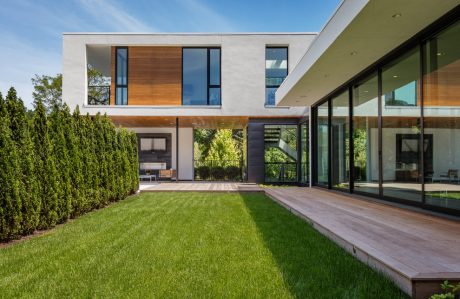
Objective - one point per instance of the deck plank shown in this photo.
(416, 245)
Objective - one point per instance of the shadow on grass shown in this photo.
(312, 266)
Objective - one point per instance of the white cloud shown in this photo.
(113, 16)
(206, 18)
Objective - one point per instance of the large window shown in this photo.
(322, 144)
(365, 135)
(304, 153)
(405, 129)
(276, 70)
(121, 89)
(340, 133)
(201, 82)
(280, 153)
(401, 128)
(442, 118)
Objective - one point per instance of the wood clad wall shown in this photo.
(112, 74)
(155, 76)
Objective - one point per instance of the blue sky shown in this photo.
(31, 30)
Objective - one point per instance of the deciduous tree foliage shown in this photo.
(58, 165)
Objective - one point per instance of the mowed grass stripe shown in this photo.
(184, 245)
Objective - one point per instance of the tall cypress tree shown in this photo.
(76, 174)
(45, 168)
(20, 133)
(61, 155)
(10, 198)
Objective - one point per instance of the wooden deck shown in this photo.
(416, 250)
(199, 187)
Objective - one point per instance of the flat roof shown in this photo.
(358, 34)
(190, 33)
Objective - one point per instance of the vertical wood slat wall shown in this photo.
(154, 76)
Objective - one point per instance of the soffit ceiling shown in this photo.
(358, 35)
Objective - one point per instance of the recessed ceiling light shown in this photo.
(395, 76)
(396, 15)
(439, 53)
(353, 53)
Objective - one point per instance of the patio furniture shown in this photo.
(450, 176)
(167, 174)
(148, 176)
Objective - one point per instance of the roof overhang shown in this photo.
(358, 34)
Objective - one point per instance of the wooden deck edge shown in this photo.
(205, 191)
(402, 281)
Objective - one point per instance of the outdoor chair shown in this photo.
(167, 174)
(450, 176)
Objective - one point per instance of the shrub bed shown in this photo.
(59, 165)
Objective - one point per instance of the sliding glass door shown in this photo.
(340, 145)
(322, 145)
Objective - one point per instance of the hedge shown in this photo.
(59, 165)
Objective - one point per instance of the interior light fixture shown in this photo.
(439, 53)
(395, 76)
(353, 53)
(396, 15)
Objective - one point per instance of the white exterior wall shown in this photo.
(243, 71)
(185, 148)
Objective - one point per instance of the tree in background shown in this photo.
(48, 90)
(223, 150)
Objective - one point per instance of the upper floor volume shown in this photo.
(237, 74)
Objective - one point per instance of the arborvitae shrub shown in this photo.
(46, 171)
(10, 174)
(20, 128)
(59, 165)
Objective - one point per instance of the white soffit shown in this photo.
(359, 33)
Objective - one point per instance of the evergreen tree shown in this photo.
(10, 198)
(59, 143)
(76, 173)
(46, 172)
(20, 132)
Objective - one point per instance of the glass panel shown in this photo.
(365, 136)
(401, 128)
(340, 130)
(122, 66)
(195, 77)
(214, 68)
(442, 119)
(276, 63)
(280, 153)
(304, 153)
(270, 96)
(214, 96)
(322, 144)
(122, 96)
(275, 71)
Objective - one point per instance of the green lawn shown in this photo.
(178, 245)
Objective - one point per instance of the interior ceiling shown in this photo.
(378, 28)
(99, 57)
(210, 122)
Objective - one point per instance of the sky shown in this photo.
(31, 30)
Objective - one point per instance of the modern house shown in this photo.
(378, 91)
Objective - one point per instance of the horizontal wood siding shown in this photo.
(155, 76)
(112, 74)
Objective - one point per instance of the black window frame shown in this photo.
(419, 40)
(208, 71)
(116, 76)
(287, 70)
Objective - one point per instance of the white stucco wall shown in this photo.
(185, 148)
(243, 71)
